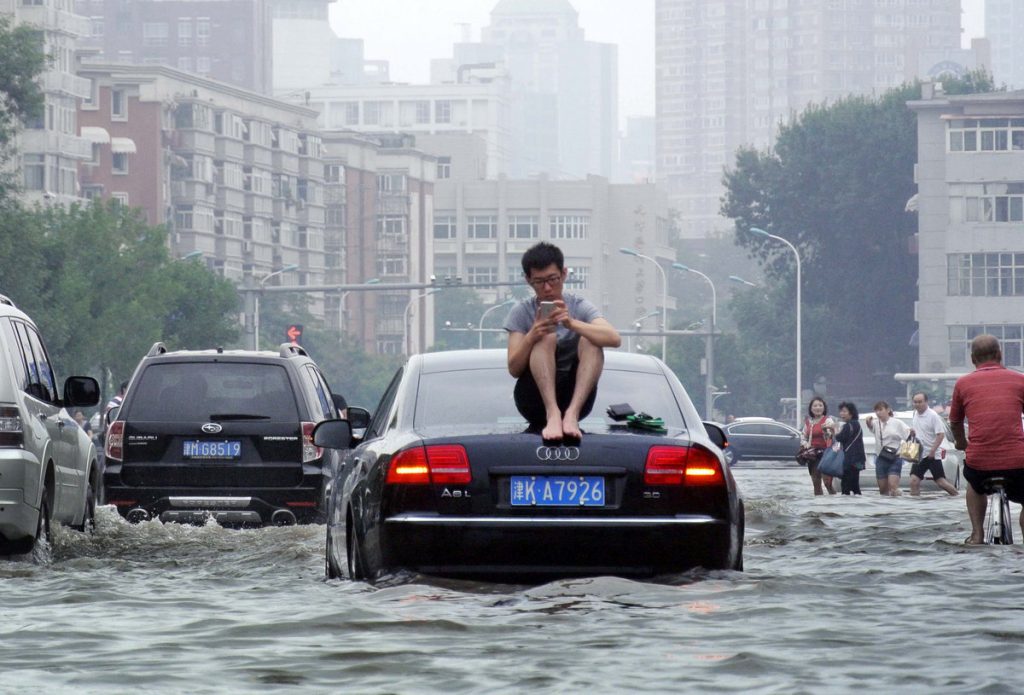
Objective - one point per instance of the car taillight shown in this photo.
(310, 452)
(115, 441)
(441, 464)
(676, 465)
(11, 431)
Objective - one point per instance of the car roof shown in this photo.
(755, 418)
(457, 360)
(286, 351)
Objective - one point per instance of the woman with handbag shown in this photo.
(851, 438)
(817, 436)
(889, 434)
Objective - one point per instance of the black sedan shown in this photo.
(447, 480)
(760, 439)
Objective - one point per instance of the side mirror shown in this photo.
(333, 434)
(81, 391)
(358, 417)
(716, 434)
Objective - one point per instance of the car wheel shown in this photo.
(356, 568)
(89, 515)
(331, 567)
(43, 525)
(732, 457)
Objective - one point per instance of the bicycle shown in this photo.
(998, 524)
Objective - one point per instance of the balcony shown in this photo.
(54, 143)
(256, 155)
(227, 148)
(481, 247)
(285, 162)
(230, 198)
(190, 191)
(66, 83)
(195, 141)
(52, 19)
(257, 205)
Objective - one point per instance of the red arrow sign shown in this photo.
(294, 333)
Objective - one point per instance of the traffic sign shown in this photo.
(294, 334)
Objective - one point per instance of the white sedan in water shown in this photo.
(951, 457)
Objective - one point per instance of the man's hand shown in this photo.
(542, 325)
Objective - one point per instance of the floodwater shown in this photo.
(840, 594)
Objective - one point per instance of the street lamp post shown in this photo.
(480, 327)
(256, 312)
(341, 303)
(408, 316)
(637, 323)
(709, 345)
(664, 293)
(741, 281)
(799, 365)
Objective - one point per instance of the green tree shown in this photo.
(458, 308)
(101, 285)
(21, 62)
(836, 185)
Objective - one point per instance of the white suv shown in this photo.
(48, 468)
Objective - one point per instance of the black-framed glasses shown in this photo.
(549, 280)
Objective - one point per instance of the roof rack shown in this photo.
(4, 299)
(292, 350)
(157, 349)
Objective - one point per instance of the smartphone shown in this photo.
(546, 308)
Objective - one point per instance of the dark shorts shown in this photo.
(531, 405)
(932, 465)
(1014, 481)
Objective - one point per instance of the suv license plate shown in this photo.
(206, 449)
(557, 491)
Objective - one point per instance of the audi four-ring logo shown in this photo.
(211, 428)
(558, 453)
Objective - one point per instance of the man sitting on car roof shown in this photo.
(556, 344)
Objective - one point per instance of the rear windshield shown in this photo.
(483, 398)
(190, 391)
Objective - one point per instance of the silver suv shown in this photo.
(48, 470)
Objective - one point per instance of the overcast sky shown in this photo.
(409, 33)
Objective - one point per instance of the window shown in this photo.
(202, 31)
(442, 111)
(987, 202)
(986, 135)
(444, 227)
(185, 32)
(985, 274)
(118, 104)
(96, 27)
(119, 162)
(120, 198)
(391, 183)
(203, 65)
(578, 277)
(391, 265)
(185, 63)
(155, 33)
(444, 167)
(34, 166)
(371, 113)
(1011, 339)
(522, 227)
(569, 226)
(423, 112)
(391, 229)
(481, 274)
(334, 173)
(482, 227)
(351, 112)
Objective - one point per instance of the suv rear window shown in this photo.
(189, 391)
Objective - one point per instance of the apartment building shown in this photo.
(1004, 27)
(226, 40)
(970, 177)
(481, 229)
(236, 175)
(727, 73)
(49, 148)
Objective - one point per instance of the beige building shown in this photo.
(49, 147)
(236, 175)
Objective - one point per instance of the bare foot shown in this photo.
(972, 540)
(553, 430)
(571, 427)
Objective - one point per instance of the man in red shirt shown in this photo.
(991, 400)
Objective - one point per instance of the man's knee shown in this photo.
(587, 350)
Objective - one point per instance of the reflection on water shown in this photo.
(840, 594)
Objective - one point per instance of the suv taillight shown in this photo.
(678, 465)
(115, 441)
(11, 432)
(310, 452)
(441, 464)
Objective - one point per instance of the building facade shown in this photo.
(1004, 27)
(227, 40)
(49, 148)
(970, 176)
(564, 89)
(236, 176)
(727, 73)
(481, 229)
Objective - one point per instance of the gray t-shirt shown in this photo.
(520, 320)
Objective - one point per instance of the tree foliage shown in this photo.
(21, 62)
(100, 283)
(836, 184)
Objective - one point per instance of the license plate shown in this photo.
(207, 449)
(557, 491)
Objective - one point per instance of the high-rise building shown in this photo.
(1004, 27)
(728, 72)
(564, 89)
(49, 147)
(228, 40)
